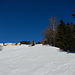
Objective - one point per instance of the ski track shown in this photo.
(36, 60)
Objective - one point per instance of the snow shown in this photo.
(36, 60)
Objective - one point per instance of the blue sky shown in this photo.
(24, 20)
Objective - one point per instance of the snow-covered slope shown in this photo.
(36, 60)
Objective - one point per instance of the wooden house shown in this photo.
(45, 41)
(13, 44)
(18, 44)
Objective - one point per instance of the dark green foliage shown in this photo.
(39, 43)
(25, 42)
(60, 37)
(33, 43)
(65, 38)
(73, 31)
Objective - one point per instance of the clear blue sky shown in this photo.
(24, 20)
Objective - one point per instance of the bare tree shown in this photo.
(50, 31)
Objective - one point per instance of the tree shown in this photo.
(25, 42)
(73, 14)
(68, 37)
(65, 39)
(50, 31)
(33, 43)
(73, 39)
(60, 37)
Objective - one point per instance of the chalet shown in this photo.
(45, 41)
(18, 44)
(13, 44)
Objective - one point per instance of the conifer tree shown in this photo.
(68, 37)
(73, 14)
(61, 34)
(65, 36)
(33, 43)
(73, 39)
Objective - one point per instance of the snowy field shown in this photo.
(36, 60)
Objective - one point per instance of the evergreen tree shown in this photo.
(33, 43)
(73, 14)
(68, 37)
(73, 31)
(73, 39)
(65, 36)
(61, 34)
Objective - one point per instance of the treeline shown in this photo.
(28, 42)
(60, 35)
(25, 42)
(65, 37)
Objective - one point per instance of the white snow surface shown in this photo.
(36, 60)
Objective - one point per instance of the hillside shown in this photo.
(36, 60)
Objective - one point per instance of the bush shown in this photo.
(25, 42)
(33, 43)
